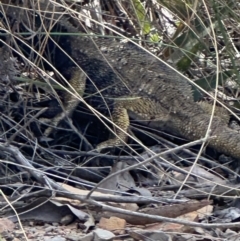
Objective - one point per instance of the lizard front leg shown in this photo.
(145, 108)
(70, 102)
(121, 119)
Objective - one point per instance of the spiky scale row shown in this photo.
(119, 69)
(154, 91)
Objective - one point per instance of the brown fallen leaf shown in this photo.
(114, 224)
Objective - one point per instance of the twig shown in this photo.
(14, 210)
(21, 159)
(144, 162)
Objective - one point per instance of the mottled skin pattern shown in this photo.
(151, 90)
(148, 89)
(78, 81)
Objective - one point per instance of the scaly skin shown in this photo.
(134, 81)
(161, 95)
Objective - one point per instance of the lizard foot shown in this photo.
(111, 143)
(121, 123)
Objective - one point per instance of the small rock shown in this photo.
(57, 238)
(55, 224)
(33, 230)
(18, 234)
(113, 224)
(7, 235)
(31, 223)
(72, 237)
(49, 229)
(102, 235)
(88, 237)
(67, 219)
(78, 237)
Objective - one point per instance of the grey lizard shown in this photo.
(139, 83)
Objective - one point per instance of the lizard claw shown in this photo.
(111, 143)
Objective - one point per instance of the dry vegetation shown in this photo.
(200, 38)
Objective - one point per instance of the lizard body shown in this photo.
(152, 90)
(139, 83)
